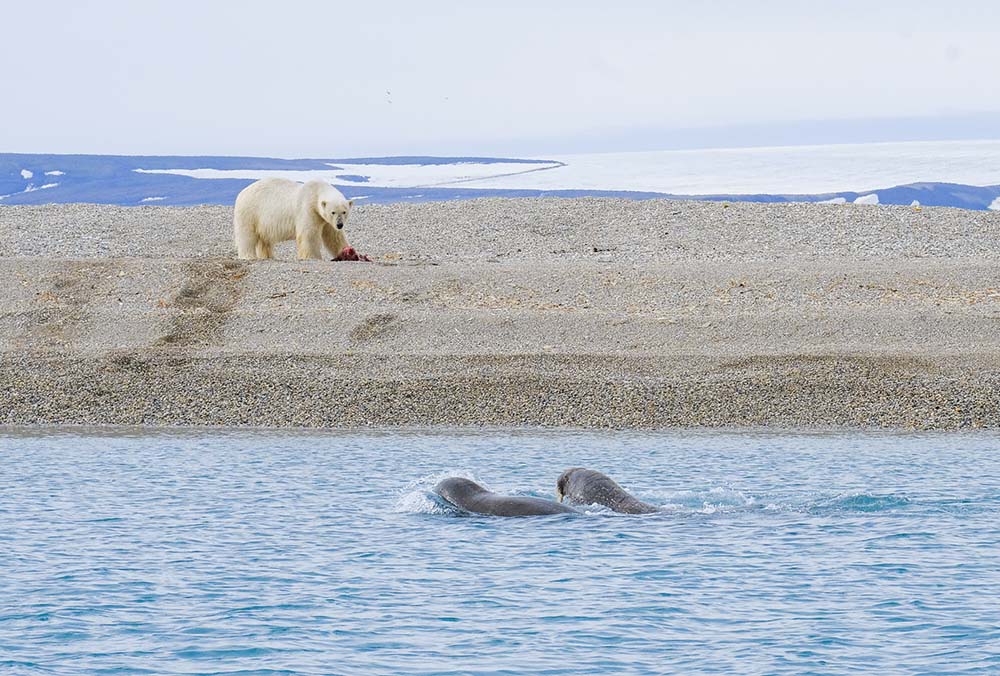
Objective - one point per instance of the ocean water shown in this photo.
(802, 170)
(250, 552)
(935, 173)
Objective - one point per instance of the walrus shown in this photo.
(472, 497)
(589, 487)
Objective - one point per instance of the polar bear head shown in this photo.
(335, 212)
(332, 206)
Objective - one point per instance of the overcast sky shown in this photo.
(327, 79)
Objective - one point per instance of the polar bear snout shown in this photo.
(340, 224)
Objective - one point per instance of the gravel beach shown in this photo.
(553, 312)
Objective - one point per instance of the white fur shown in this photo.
(276, 210)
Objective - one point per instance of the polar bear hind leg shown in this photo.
(247, 242)
(265, 249)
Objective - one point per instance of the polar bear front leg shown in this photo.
(334, 239)
(309, 244)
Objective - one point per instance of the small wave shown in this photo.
(965, 505)
(595, 509)
(861, 502)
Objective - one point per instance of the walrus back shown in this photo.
(472, 497)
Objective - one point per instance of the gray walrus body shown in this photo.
(588, 487)
(472, 497)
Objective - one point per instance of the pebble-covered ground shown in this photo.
(588, 312)
(551, 229)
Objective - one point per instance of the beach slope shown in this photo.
(555, 312)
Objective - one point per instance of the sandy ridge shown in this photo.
(508, 312)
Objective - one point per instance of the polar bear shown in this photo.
(274, 210)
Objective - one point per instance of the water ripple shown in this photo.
(286, 553)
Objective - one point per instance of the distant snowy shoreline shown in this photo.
(954, 173)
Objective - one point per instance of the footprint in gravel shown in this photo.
(375, 326)
(205, 301)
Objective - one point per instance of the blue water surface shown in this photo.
(250, 552)
(113, 179)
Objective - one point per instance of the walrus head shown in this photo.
(587, 486)
(561, 484)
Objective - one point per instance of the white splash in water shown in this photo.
(712, 501)
(420, 502)
(417, 497)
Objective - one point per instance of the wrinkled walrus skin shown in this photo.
(589, 487)
(472, 497)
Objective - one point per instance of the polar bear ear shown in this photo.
(322, 205)
(350, 203)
